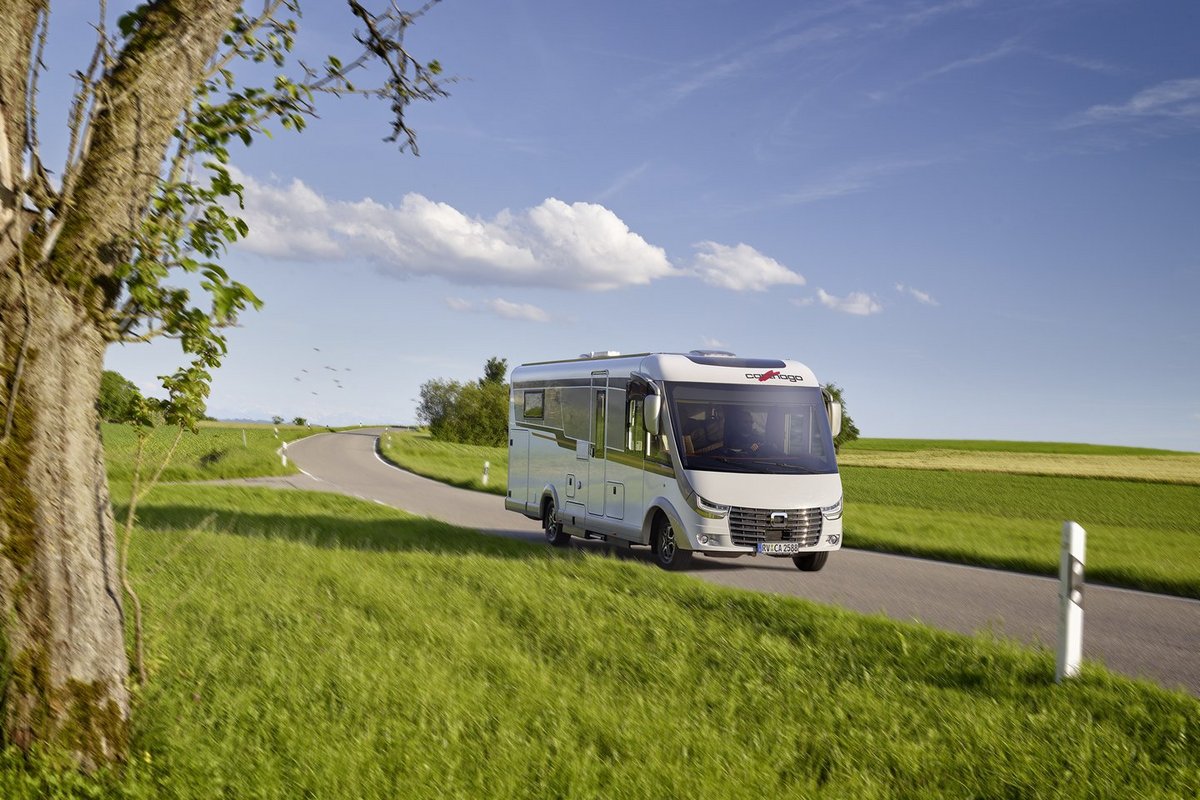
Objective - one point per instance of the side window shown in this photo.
(598, 408)
(635, 428)
(657, 450)
(535, 404)
(615, 434)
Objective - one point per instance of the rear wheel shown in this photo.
(553, 529)
(811, 562)
(667, 551)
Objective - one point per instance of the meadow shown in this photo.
(212, 452)
(989, 503)
(313, 645)
(1073, 461)
(456, 464)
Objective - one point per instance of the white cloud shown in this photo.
(501, 308)
(740, 268)
(1000, 51)
(853, 179)
(709, 341)
(859, 303)
(917, 294)
(1173, 100)
(524, 311)
(577, 246)
(1084, 63)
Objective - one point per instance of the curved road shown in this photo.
(1136, 633)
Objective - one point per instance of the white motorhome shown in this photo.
(699, 452)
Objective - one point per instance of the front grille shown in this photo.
(749, 526)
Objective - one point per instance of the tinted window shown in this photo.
(772, 429)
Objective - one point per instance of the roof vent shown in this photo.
(600, 354)
(711, 353)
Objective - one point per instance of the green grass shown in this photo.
(1141, 535)
(214, 452)
(997, 446)
(456, 464)
(1166, 507)
(306, 645)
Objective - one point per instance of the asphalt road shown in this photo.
(1135, 633)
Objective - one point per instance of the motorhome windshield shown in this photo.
(765, 429)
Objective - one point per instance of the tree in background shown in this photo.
(118, 397)
(88, 251)
(468, 413)
(299, 421)
(849, 429)
(495, 370)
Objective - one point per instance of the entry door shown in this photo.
(596, 460)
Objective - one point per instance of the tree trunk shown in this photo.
(61, 623)
(63, 665)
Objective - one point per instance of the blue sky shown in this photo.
(982, 219)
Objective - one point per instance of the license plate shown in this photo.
(778, 548)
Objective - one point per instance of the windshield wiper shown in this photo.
(793, 467)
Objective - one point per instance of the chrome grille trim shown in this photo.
(750, 526)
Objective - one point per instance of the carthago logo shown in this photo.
(774, 375)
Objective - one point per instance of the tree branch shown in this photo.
(23, 349)
(268, 13)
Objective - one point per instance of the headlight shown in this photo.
(706, 509)
(834, 511)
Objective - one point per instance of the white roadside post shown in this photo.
(244, 438)
(283, 453)
(486, 466)
(1070, 602)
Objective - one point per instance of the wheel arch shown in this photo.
(549, 494)
(663, 506)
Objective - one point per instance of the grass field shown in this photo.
(1030, 458)
(1001, 446)
(213, 452)
(937, 499)
(456, 464)
(307, 645)
(1140, 534)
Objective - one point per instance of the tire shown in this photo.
(667, 552)
(811, 562)
(555, 535)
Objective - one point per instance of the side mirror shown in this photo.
(651, 412)
(835, 418)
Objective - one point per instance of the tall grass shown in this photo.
(310, 645)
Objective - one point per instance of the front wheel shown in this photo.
(811, 562)
(553, 529)
(667, 551)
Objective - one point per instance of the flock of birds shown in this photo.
(336, 381)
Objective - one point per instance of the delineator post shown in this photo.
(1070, 602)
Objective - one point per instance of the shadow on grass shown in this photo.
(324, 530)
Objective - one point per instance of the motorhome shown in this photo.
(699, 452)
